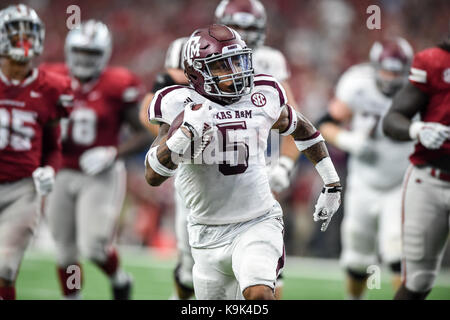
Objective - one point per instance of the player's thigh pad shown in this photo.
(258, 254)
(425, 228)
(359, 228)
(390, 226)
(19, 219)
(213, 275)
(60, 214)
(98, 210)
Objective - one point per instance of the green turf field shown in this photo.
(304, 278)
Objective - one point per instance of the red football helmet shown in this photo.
(218, 64)
(248, 17)
(392, 59)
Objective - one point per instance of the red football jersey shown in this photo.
(97, 113)
(25, 110)
(430, 72)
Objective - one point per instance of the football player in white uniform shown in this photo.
(372, 216)
(235, 225)
(249, 19)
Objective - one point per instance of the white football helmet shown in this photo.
(22, 33)
(88, 49)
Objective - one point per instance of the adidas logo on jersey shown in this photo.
(188, 100)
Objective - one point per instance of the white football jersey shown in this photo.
(218, 192)
(357, 88)
(267, 60)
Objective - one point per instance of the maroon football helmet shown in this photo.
(392, 59)
(248, 17)
(218, 64)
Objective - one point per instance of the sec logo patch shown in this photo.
(258, 99)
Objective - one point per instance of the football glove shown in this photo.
(198, 121)
(279, 175)
(95, 160)
(431, 135)
(327, 205)
(44, 179)
(357, 144)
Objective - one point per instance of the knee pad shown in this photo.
(420, 281)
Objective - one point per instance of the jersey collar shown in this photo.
(28, 80)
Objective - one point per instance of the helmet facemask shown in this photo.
(227, 76)
(22, 40)
(391, 76)
(85, 63)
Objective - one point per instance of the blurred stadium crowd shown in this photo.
(320, 38)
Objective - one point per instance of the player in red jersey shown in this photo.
(426, 198)
(31, 103)
(84, 210)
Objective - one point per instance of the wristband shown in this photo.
(178, 142)
(307, 143)
(326, 170)
(154, 163)
(414, 129)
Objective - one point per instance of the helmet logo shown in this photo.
(192, 49)
(446, 75)
(258, 99)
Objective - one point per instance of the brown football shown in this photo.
(178, 121)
